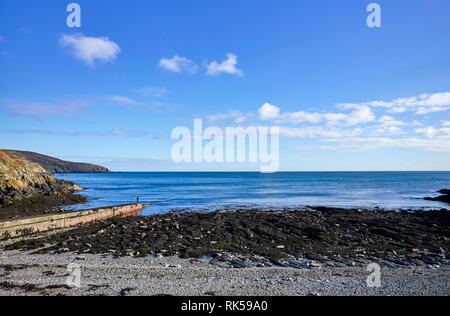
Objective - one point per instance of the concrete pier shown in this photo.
(27, 226)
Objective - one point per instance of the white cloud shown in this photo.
(437, 145)
(178, 64)
(42, 110)
(389, 125)
(227, 66)
(361, 115)
(433, 109)
(317, 131)
(240, 119)
(397, 109)
(368, 132)
(431, 132)
(90, 49)
(423, 104)
(417, 123)
(268, 112)
(300, 117)
(123, 100)
(358, 116)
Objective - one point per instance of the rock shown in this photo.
(384, 232)
(315, 265)
(172, 266)
(445, 197)
(239, 264)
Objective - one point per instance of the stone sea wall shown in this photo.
(28, 226)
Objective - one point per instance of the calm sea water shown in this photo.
(201, 191)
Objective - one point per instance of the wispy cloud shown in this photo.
(161, 137)
(178, 64)
(154, 105)
(389, 125)
(153, 92)
(318, 132)
(423, 104)
(237, 116)
(115, 132)
(227, 66)
(431, 132)
(356, 127)
(90, 49)
(123, 100)
(269, 112)
(437, 145)
(41, 111)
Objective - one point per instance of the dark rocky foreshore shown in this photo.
(319, 234)
(39, 204)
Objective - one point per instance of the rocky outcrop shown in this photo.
(54, 165)
(21, 179)
(445, 197)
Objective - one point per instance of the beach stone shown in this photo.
(315, 265)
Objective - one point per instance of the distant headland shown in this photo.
(54, 165)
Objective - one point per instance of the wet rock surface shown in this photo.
(39, 204)
(255, 238)
(445, 197)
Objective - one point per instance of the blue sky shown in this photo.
(345, 96)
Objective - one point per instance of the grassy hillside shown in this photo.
(53, 165)
(10, 164)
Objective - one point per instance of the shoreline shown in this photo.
(321, 234)
(297, 252)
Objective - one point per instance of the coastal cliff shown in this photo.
(26, 189)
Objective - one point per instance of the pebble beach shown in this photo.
(29, 275)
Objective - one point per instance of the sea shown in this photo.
(209, 191)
